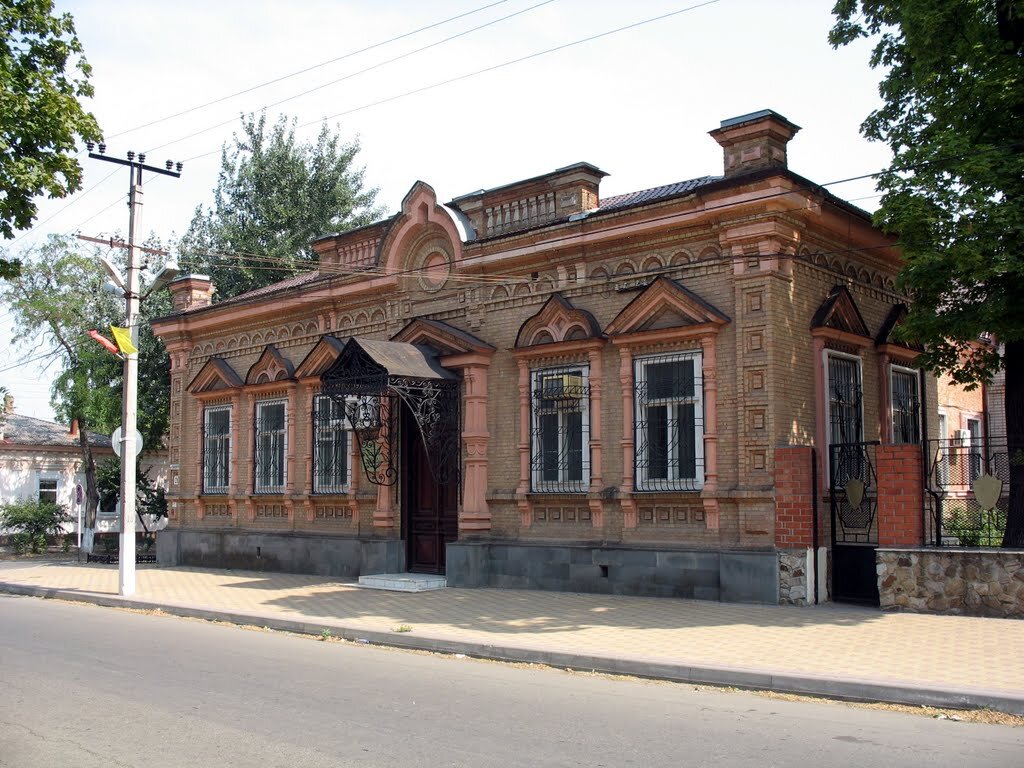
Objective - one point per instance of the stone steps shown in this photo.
(404, 582)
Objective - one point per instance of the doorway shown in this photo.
(430, 515)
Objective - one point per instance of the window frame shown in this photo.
(46, 478)
(829, 354)
(894, 370)
(343, 427)
(278, 444)
(565, 482)
(223, 445)
(641, 410)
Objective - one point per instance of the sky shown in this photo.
(507, 91)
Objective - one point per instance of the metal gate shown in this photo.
(968, 490)
(853, 494)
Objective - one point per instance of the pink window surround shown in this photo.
(689, 323)
(560, 353)
(823, 340)
(654, 342)
(243, 486)
(888, 356)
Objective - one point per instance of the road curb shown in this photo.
(852, 689)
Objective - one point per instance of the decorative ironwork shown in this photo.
(906, 407)
(372, 396)
(560, 435)
(846, 418)
(216, 449)
(669, 423)
(269, 430)
(968, 491)
(330, 446)
(853, 493)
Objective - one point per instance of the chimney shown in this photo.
(74, 428)
(191, 292)
(755, 141)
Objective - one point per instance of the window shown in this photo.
(906, 406)
(330, 446)
(270, 446)
(560, 445)
(669, 422)
(216, 449)
(942, 451)
(975, 449)
(48, 490)
(846, 420)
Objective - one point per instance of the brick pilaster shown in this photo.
(794, 497)
(900, 495)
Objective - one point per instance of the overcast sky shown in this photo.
(487, 107)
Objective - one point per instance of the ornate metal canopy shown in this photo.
(372, 378)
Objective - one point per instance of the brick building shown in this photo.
(534, 386)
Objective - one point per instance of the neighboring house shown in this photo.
(43, 460)
(536, 386)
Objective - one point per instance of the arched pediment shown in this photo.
(558, 320)
(666, 304)
(444, 338)
(320, 357)
(423, 220)
(216, 375)
(272, 366)
(839, 312)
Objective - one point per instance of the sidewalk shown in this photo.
(827, 650)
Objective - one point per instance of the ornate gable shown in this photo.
(839, 313)
(558, 320)
(445, 339)
(215, 376)
(665, 304)
(320, 358)
(272, 366)
(893, 320)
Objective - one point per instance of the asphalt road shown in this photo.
(87, 686)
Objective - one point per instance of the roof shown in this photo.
(30, 431)
(655, 193)
(401, 359)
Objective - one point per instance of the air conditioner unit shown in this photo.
(963, 437)
(561, 386)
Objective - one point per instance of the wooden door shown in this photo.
(430, 510)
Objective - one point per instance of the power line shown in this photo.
(307, 69)
(351, 75)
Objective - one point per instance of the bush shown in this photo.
(32, 522)
(978, 528)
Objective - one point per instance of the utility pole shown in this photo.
(130, 398)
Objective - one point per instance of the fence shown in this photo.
(968, 487)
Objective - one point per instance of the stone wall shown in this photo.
(974, 582)
(794, 583)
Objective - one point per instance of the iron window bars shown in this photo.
(270, 451)
(560, 432)
(669, 422)
(216, 449)
(331, 472)
(906, 406)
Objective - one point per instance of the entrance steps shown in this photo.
(404, 582)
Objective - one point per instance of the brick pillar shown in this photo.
(900, 495)
(794, 498)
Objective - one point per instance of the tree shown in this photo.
(952, 111)
(58, 296)
(273, 197)
(33, 522)
(42, 77)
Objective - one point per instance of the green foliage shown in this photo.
(33, 521)
(274, 196)
(42, 78)
(952, 111)
(150, 499)
(981, 528)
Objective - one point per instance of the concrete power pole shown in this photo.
(129, 403)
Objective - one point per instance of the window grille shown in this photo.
(216, 449)
(669, 422)
(560, 439)
(330, 446)
(846, 422)
(906, 406)
(270, 432)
